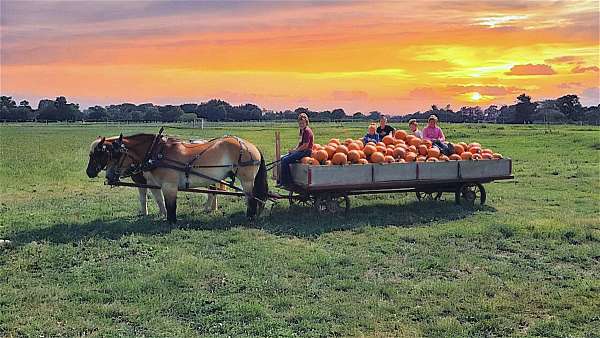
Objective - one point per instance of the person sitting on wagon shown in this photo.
(372, 135)
(384, 129)
(303, 149)
(414, 128)
(435, 134)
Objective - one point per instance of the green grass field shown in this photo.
(82, 263)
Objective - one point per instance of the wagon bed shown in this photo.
(327, 188)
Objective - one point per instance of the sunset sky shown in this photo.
(396, 57)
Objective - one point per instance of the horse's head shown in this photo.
(103, 154)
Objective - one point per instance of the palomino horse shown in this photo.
(173, 165)
(100, 154)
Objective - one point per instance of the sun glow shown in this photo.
(476, 96)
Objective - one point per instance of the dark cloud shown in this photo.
(531, 69)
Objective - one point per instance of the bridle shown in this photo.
(116, 150)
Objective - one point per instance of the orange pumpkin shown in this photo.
(316, 147)
(371, 143)
(445, 158)
(335, 140)
(389, 159)
(401, 160)
(369, 149)
(486, 156)
(389, 152)
(415, 141)
(410, 156)
(400, 134)
(306, 160)
(413, 149)
(339, 158)
(360, 144)
(458, 149)
(390, 146)
(398, 142)
(433, 152)
(381, 144)
(464, 145)
(476, 157)
(422, 149)
(353, 156)
(363, 161)
(466, 155)
(330, 151)
(342, 149)
(473, 144)
(454, 157)
(432, 159)
(353, 146)
(381, 149)
(409, 138)
(377, 157)
(497, 156)
(427, 143)
(328, 162)
(321, 155)
(399, 152)
(348, 141)
(421, 159)
(388, 139)
(487, 150)
(362, 154)
(475, 150)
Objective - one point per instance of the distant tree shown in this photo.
(524, 109)
(151, 113)
(358, 116)
(570, 106)
(188, 117)
(97, 113)
(374, 115)
(338, 114)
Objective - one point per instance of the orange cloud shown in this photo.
(531, 69)
(579, 69)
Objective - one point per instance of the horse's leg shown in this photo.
(160, 202)
(170, 194)
(143, 201)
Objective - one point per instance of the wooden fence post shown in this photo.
(277, 155)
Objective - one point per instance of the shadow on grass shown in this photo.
(282, 219)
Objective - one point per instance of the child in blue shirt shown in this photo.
(372, 136)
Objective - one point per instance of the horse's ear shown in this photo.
(102, 140)
(121, 137)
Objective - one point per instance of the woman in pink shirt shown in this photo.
(435, 134)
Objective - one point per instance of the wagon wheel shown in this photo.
(428, 196)
(300, 200)
(470, 194)
(331, 204)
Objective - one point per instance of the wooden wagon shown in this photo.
(327, 188)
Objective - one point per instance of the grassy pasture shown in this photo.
(82, 263)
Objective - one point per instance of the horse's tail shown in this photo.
(260, 190)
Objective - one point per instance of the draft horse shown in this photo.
(100, 154)
(172, 165)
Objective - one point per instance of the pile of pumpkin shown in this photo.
(400, 148)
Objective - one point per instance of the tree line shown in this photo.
(564, 109)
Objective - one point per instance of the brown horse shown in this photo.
(172, 165)
(100, 154)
